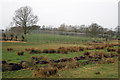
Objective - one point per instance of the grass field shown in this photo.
(41, 41)
(48, 41)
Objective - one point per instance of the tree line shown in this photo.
(25, 21)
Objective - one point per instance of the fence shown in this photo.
(58, 32)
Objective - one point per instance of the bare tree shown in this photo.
(24, 18)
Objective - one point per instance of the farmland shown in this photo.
(83, 57)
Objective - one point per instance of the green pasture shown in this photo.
(49, 41)
(88, 71)
(41, 41)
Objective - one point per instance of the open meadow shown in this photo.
(59, 56)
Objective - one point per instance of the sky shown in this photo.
(70, 12)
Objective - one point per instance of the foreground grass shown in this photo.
(17, 74)
(88, 71)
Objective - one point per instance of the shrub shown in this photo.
(9, 49)
(113, 55)
(62, 50)
(81, 49)
(100, 55)
(60, 65)
(99, 47)
(97, 73)
(118, 50)
(107, 61)
(40, 60)
(4, 62)
(45, 51)
(72, 64)
(65, 59)
(89, 48)
(20, 53)
(44, 72)
(58, 51)
(36, 51)
(86, 53)
(11, 67)
(110, 49)
(28, 64)
(52, 51)
(28, 49)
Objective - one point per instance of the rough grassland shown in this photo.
(47, 41)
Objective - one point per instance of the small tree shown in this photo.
(94, 30)
(24, 18)
(62, 27)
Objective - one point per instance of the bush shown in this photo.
(99, 47)
(111, 49)
(118, 50)
(45, 51)
(20, 53)
(72, 64)
(36, 51)
(81, 49)
(4, 62)
(86, 53)
(29, 63)
(11, 67)
(52, 51)
(28, 49)
(9, 49)
(44, 72)
(107, 61)
(62, 50)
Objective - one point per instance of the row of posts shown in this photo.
(12, 37)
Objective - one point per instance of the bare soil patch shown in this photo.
(14, 41)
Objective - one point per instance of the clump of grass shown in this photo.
(86, 53)
(97, 72)
(62, 50)
(33, 50)
(45, 51)
(20, 53)
(110, 49)
(43, 72)
(107, 61)
(9, 49)
(72, 64)
(31, 63)
(89, 48)
(10, 66)
(52, 51)
(36, 51)
(118, 50)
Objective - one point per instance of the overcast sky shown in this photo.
(56, 12)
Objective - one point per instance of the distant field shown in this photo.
(49, 41)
